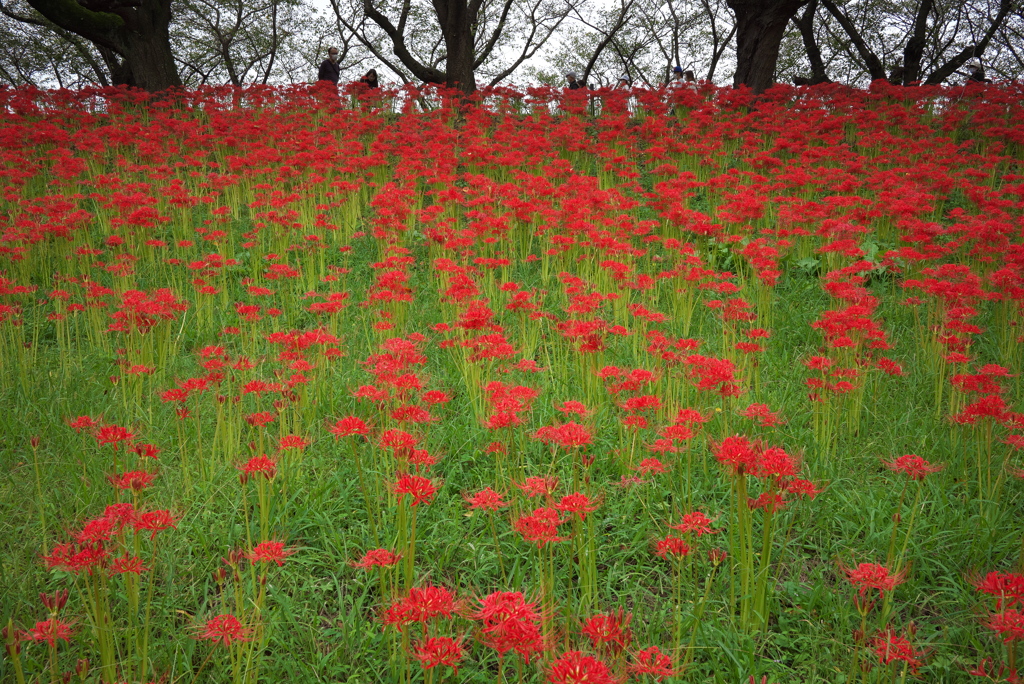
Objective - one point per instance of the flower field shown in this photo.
(665, 387)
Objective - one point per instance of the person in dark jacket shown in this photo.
(976, 73)
(370, 79)
(573, 83)
(330, 69)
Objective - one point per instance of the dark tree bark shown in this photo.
(914, 49)
(458, 20)
(134, 31)
(760, 26)
(805, 22)
(910, 71)
(619, 21)
(976, 50)
(871, 61)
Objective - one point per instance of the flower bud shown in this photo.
(55, 602)
(82, 668)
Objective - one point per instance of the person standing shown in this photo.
(573, 83)
(330, 69)
(976, 73)
(370, 79)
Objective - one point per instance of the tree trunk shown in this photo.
(457, 30)
(147, 49)
(138, 34)
(760, 26)
(871, 61)
(915, 44)
(805, 23)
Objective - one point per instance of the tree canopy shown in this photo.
(156, 44)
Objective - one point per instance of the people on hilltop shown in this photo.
(976, 73)
(573, 83)
(370, 79)
(330, 68)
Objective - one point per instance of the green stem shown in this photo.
(39, 498)
(910, 528)
(892, 536)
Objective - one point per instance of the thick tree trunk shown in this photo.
(914, 49)
(457, 18)
(147, 49)
(760, 25)
(138, 34)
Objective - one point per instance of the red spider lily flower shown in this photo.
(1008, 588)
(113, 435)
(635, 422)
(689, 416)
(135, 480)
(421, 458)
(421, 489)
(663, 446)
(737, 453)
(541, 528)
(672, 546)
(486, 499)
(348, 426)
(568, 436)
(82, 423)
(573, 407)
(768, 501)
(224, 629)
(651, 466)
(913, 466)
(411, 413)
(868, 576)
(677, 433)
(377, 558)
(435, 651)
(763, 415)
(145, 450)
(51, 631)
(99, 529)
(653, 662)
(435, 397)
(889, 367)
(155, 521)
(1009, 624)
(538, 486)
(572, 667)
(127, 564)
(499, 421)
(609, 631)
(421, 604)
(647, 402)
(260, 418)
(270, 552)
(800, 487)
(292, 442)
(397, 441)
(259, 465)
(577, 504)
(695, 522)
(509, 624)
(891, 647)
(122, 514)
(774, 462)
(75, 559)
